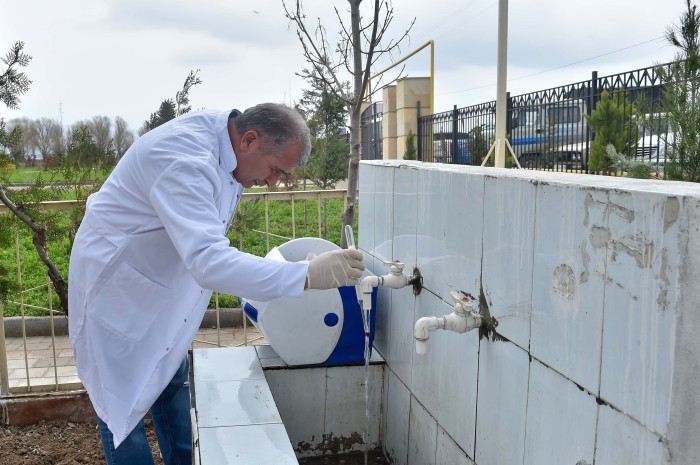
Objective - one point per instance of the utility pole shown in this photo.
(501, 79)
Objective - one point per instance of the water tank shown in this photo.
(322, 327)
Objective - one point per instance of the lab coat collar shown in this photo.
(227, 157)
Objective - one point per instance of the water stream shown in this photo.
(366, 323)
(350, 238)
(365, 434)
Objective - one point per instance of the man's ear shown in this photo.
(249, 138)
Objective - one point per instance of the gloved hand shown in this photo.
(342, 267)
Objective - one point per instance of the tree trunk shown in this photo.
(355, 109)
(353, 174)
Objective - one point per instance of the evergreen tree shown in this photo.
(165, 113)
(325, 114)
(410, 153)
(610, 121)
(172, 108)
(681, 98)
(13, 83)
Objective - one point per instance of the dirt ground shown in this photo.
(64, 443)
(358, 458)
(57, 443)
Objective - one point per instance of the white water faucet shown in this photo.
(464, 318)
(395, 279)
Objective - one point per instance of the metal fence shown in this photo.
(55, 349)
(548, 129)
(371, 132)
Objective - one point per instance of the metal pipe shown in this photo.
(21, 307)
(430, 43)
(53, 333)
(4, 372)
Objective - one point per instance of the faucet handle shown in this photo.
(462, 297)
(395, 266)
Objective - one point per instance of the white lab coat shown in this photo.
(146, 258)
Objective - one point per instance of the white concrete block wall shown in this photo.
(639, 336)
(593, 280)
(557, 408)
(501, 404)
(506, 268)
(323, 408)
(685, 422)
(568, 276)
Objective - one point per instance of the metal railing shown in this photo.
(549, 129)
(19, 300)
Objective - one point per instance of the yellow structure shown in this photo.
(400, 101)
(400, 108)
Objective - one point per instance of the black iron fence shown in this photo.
(548, 129)
(371, 132)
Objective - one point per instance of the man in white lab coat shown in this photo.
(152, 248)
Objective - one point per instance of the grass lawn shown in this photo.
(29, 175)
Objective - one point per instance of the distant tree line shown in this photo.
(45, 140)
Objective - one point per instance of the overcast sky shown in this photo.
(123, 57)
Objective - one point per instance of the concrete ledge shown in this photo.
(30, 409)
(41, 325)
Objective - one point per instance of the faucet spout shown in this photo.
(461, 320)
(366, 285)
(421, 331)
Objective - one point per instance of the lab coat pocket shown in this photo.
(129, 303)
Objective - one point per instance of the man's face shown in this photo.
(258, 167)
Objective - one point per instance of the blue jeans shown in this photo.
(171, 420)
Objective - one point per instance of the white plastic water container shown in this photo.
(322, 326)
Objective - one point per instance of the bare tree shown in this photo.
(101, 130)
(123, 137)
(358, 48)
(58, 142)
(46, 131)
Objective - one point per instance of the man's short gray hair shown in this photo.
(279, 125)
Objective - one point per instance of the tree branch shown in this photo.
(320, 61)
(39, 241)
